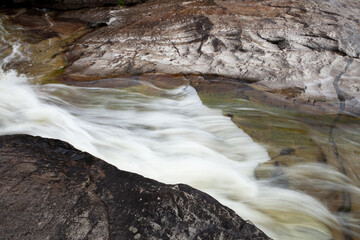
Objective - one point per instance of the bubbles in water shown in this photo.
(171, 137)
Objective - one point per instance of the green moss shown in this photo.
(58, 71)
(121, 3)
(51, 77)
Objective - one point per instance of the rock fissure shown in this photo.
(176, 49)
(341, 97)
(346, 204)
(236, 39)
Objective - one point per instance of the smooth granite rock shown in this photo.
(275, 45)
(303, 51)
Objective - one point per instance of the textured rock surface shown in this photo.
(302, 51)
(281, 46)
(69, 4)
(49, 190)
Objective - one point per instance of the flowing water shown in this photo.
(171, 136)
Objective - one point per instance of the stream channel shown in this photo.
(293, 174)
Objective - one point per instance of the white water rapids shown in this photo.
(171, 137)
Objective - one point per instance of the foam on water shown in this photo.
(171, 137)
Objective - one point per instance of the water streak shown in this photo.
(171, 137)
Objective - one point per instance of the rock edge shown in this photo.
(50, 190)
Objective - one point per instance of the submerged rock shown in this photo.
(50, 190)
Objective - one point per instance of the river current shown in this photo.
(171, 136)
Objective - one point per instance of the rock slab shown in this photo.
(302, 46)
(50, 190)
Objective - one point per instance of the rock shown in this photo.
(44, 38)
(294, 48)
(49, 190)
(69, 4)
(302, 51)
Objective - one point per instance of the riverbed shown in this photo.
(294, 174)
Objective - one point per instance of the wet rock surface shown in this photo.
(41, 38)
(49, 190)
(302, 51)
(296, 49)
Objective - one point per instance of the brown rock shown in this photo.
(69, 4)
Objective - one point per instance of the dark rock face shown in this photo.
(69, 4)
(49, 190)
